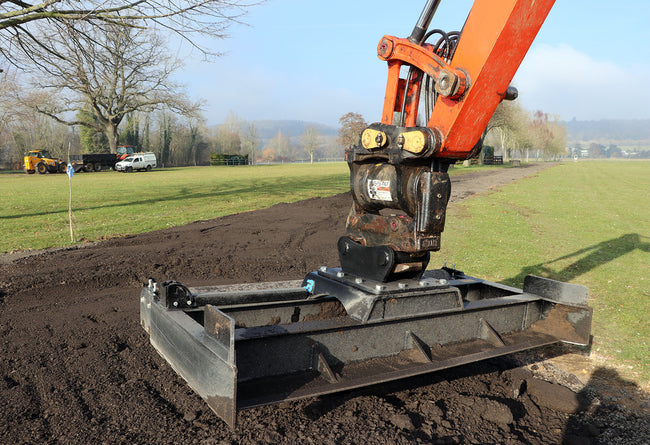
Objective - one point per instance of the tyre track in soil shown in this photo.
(76, 367)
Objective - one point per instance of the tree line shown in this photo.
(515, 133)
(88, 77)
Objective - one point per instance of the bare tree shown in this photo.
(111, 71)
(509, 124)
(21, 21)
(310, 140)
(549, 135)
(23, 129)
(352, 124)
(280, 145)
(251, 141)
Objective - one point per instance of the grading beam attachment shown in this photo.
(245, 346)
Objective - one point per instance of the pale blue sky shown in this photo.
(316, 60)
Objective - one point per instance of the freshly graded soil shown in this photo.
(76, 366)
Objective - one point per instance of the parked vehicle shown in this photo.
(124, 151)
(228, 159)
(40, 161)
(93, 162)
(137, 161)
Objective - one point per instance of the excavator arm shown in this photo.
(398, 169)
(381, 316)
(470, 71)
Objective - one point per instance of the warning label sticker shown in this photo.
(379, 190)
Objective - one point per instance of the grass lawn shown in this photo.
(584, 222)
(34, 214)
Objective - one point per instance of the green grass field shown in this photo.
(109, 204)
(585, 222)
(34, 214)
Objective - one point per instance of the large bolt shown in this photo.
(385, 48)
(400, 141)
(446, 83)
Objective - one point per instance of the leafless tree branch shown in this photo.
(109, 70)
(188, 19)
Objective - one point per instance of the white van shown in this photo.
(137, 161)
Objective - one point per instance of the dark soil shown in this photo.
(76, 367)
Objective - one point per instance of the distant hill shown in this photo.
(628, 132)
(292, 128)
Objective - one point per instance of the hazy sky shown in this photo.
(316, 60)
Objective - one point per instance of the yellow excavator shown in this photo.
(42, 162)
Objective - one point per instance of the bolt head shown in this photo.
(446, 83)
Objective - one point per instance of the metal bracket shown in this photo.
(368, 300)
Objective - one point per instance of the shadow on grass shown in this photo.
(280, 188)
(596, 255)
